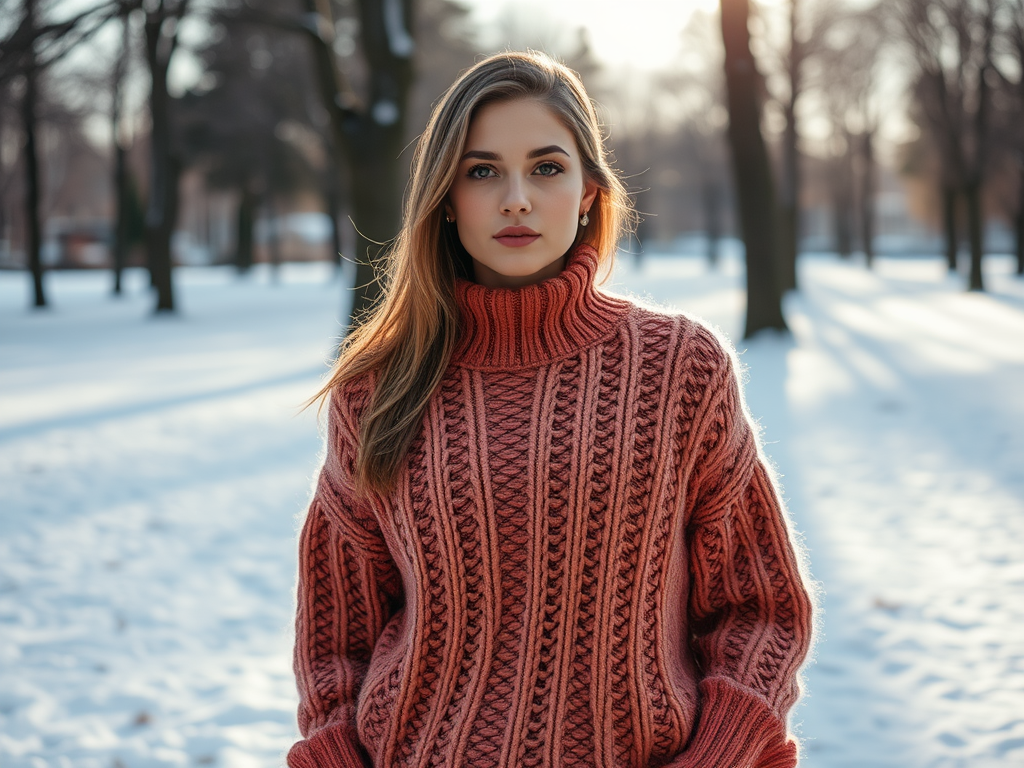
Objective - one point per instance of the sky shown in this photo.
(643, 35)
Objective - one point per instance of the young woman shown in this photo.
(543, 534)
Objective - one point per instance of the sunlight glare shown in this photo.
(645, 35)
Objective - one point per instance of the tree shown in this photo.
(122, 190)
(373, 102)
(250, 130)
(697, 153)
(1013, 43)
(161, 26)
(364, 60)
(847, 59)
(368, 128)
(801, 30)
(789, 204)
(753, 177)
(27, 51)
(950, 43)
(28, 112)
(872, 43)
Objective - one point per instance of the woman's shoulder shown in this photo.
(681, 334)
(348, 399)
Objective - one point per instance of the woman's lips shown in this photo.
(517, 241)
(516, 237)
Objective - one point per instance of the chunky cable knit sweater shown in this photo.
(584, 561)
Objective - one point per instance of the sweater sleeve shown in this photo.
(348, 587)
(749, 610)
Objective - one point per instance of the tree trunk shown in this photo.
(841, 225)
(1020, 217)
(842, 200)
(158, 239)
(973, 189)
(789, 234)
(244, 235)
(1020, 238)
(334, 186)
(376, 210)
(161, 210)
(789, 222)
(949, 198)
(371, 139)
(975, 228)
(332, 202)
(754, 185)
(34, 238)
(867, 198)
(1020, 161)
(119, 251)
(273, 237)
(712, 220)
(334, 211)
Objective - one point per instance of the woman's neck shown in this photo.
(509, 328)
(490, 278)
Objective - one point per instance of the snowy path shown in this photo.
(152, 473)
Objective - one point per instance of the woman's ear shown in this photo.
(589, 194)
(449, 212)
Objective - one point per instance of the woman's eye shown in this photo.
(480, 172)
(549, 169)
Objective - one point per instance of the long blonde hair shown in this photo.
(406, 340)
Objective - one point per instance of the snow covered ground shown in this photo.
(153, 472)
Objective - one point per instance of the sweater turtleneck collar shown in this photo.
(532, 325)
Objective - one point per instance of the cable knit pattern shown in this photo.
(583, 563)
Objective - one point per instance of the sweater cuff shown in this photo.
(736, 729)
(329, 747)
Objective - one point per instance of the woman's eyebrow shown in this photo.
(551, 149)
(479, 154)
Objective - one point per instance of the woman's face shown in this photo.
(518, 194)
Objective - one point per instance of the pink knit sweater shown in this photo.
(584, 562)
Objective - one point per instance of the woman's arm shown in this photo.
(749, 608)
(348, 586)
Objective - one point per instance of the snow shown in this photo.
(153, 473)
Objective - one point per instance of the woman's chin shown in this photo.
(518, 274)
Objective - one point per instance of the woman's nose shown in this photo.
(516, 199)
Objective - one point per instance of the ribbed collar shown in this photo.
(528, 326)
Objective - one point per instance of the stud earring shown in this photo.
(449, 218)
(584, 219)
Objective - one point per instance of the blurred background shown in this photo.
(191, 196)
(208, 132)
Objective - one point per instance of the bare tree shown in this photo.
(755, 189)
(697, 153)
(803, 32)
(368, 128)
(847, 59)
(789, 203)
(119, 251)
(28, 112)
(1013, 44)
(48, 40)
(951, 45)
(27, 51)
(250, 130)
(161, 25)
(364, 59)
